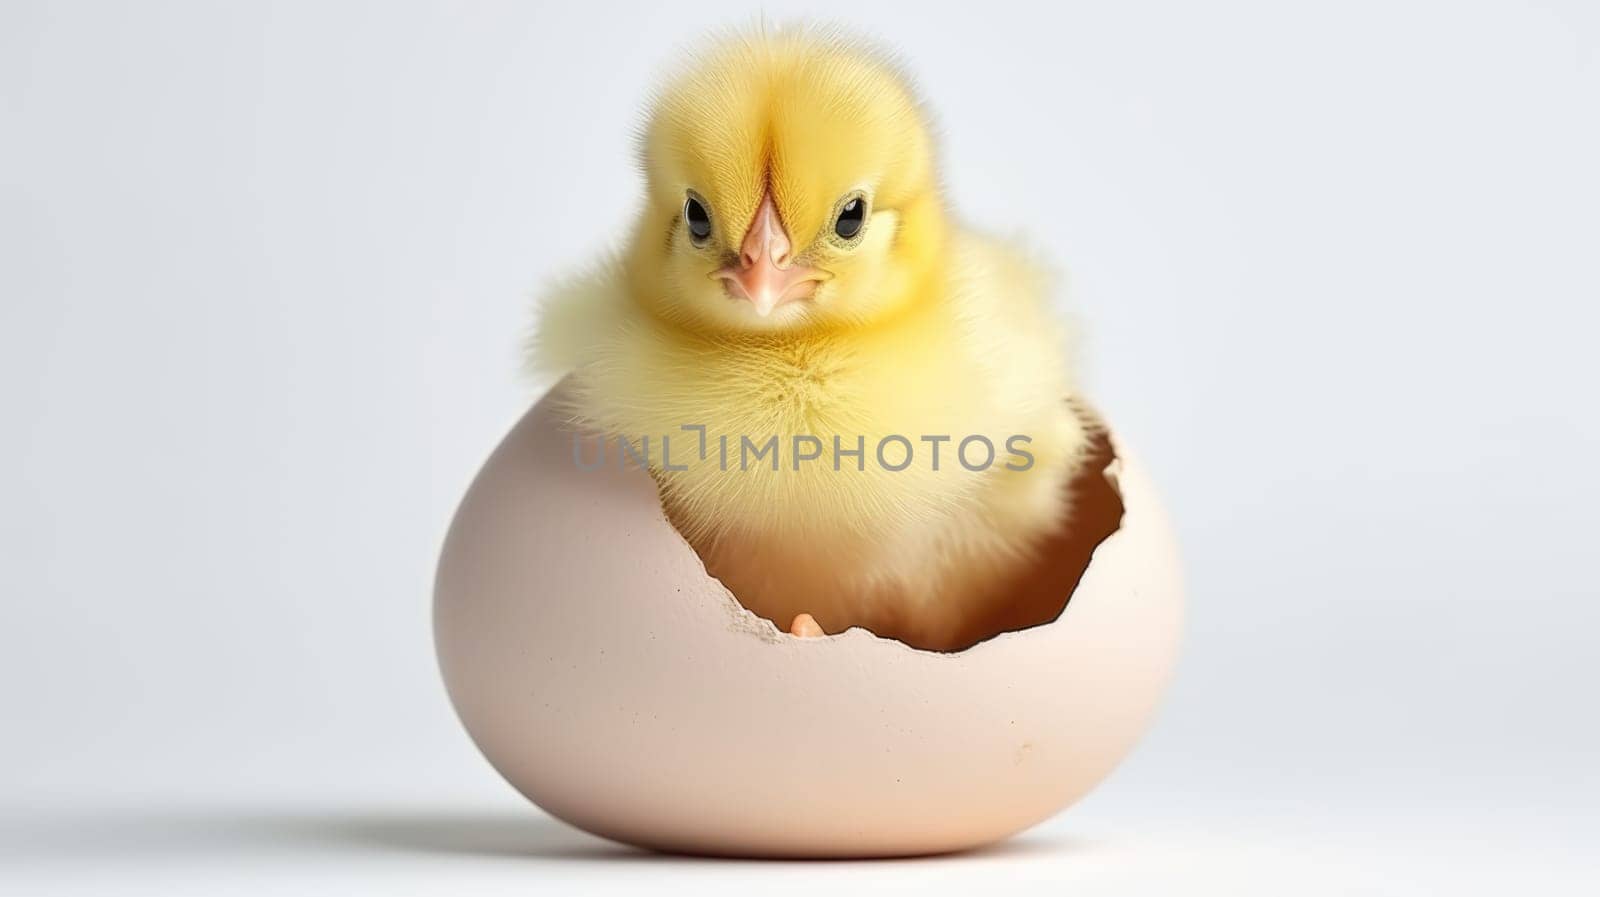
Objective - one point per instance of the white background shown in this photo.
(263, 275)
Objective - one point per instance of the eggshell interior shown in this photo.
(618, 686)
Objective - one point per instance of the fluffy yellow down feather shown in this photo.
(921, 330)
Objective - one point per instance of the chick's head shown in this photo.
(790, 185)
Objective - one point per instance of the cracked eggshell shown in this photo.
(618, 686)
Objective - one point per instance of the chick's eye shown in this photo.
(698, 219)
(851, 216)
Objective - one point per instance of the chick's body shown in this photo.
(749, 306)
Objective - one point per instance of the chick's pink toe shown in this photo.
(805, 626)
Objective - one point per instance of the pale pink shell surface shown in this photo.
(618, 686)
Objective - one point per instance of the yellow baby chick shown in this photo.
(859, 410)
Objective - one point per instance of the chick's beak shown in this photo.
(766, 273)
